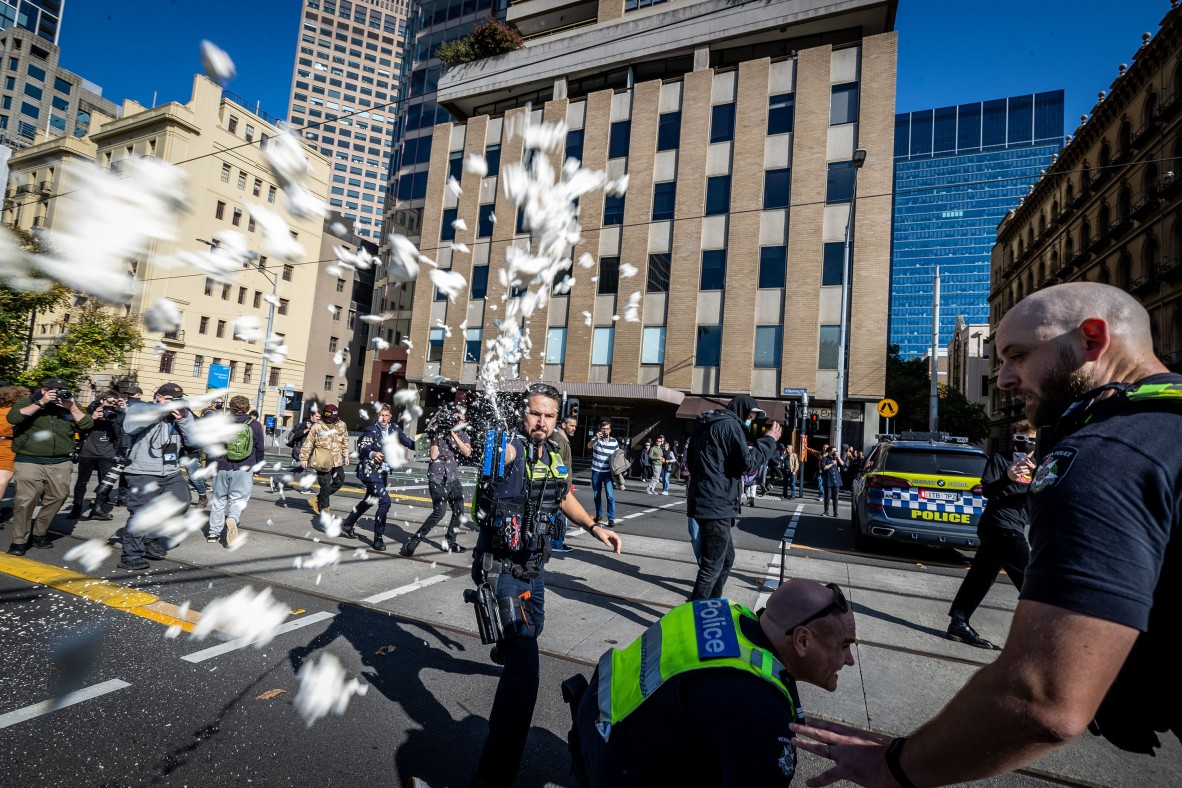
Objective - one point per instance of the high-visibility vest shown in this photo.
(698, 635)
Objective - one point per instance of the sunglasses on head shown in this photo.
(839, 604)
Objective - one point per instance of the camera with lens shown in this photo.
(110, 412)
(63, 395)
(440, 423)
(111, 480)
(759, 427)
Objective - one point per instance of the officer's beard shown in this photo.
(1063, 384)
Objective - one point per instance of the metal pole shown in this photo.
(839, 397)
(934, 407)
(258, 403)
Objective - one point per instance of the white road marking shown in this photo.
(240, 643)
(52, 705)
(772, 581)
(382, 597)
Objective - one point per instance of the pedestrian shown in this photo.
(646, 464)
(1002, 534)
(8, 396)
(718, 459)
(633, 721)
(326, 451)
(602, 446)
(667, 468)
(674, 463)
(831, 468)
(695, 533)
(154, 459)
(791, 467)
(820, 456)
(235, 474)
(1091, 645)
(100, 445)
(43, 427)
(373, 470)
(132, 394)
(193, 458)
(562, 436)
(449, 442)
(295, 442)
(515, 511)
(656, 461)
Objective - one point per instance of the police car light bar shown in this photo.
(931, 437)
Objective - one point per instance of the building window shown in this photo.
(247, 372)
(447, 232)
(781, 113)
(271, 194)
(602, 345)
(241, 179)
(613, 209)
(479, 282)
(203, 326)
(274, 377)
(669, 131)
(839, 186)
(435, 346)
(777, 188)
(556, 346)
(664, 200)
(773, 263)
(713, 269)
(237, 220)
(225, 173)
(827, 347)
(722, 122)
(833, 264)
(219, 212)
(340, 285)
(621, 134)
(258, 299)
(455, 165)
(658, 273)
(609, 275)
(484, 221)
(332, 344)
(208, 286)
(287, 272)
(242, 295)
(767, 346)
(718, 195)
(709, 346)
(198, 365)
(233, 127)
(258, 187)
(328, 382)
(843, 106)
(652, 345)
(492, 157)
(574, 144)
(226, 292)
(283, 304)
(472, 346)
(221, 329)
(166, 361)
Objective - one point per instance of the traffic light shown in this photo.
(810, 426)
(793, 415)
(572, 409)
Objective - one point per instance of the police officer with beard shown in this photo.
(515, 511)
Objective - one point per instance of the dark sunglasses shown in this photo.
(839, 604)
(1024, 440)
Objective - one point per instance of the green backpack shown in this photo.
(243, 444)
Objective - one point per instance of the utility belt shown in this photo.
(498, 615)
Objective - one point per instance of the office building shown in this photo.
(343, 94)
(40, 98)
(1109, 209)
(42, 18)
(968, 361)
(737, 126)
(957, 171)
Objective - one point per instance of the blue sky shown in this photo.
(950, 52)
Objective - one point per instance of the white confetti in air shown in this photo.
(404, 259)
(278, 241)
(332, 309)
(361, 554)
(380, 317)
(42, 435)
(246, 614)
(587, 318)
(451, 283)
(213, 432)
(90, 554)
(164, 516)
(330, 524)
(460, 225)
(248, 328)
(627, 270)
(162, 316)
(324, 689)
(363, 413)
(320, 558)
(216, 63)
(208, 472)
(446, 328)
(632, 308)
(461, 248)
(454, 186)
(586, 260)
(409, 344)
(475, 164)
(380, 343)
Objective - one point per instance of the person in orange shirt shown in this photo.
(8, 395)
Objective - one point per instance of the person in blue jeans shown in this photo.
(821, 476)
(602, 446)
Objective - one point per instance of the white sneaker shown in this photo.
(231, 530)
(664, 492)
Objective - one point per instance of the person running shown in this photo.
(234, 480)
(373, 470)
(326, 451)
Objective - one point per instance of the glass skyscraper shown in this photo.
(957, 171)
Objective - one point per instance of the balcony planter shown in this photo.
(490, 38)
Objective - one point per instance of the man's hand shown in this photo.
(1022, 470)
(608, 537)
(377, 456)
(775, 431)
(49, 397)
(857, 756)
(304, 464)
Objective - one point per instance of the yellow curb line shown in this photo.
(129, 600)
(361, 490)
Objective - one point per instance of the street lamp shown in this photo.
(839, 407)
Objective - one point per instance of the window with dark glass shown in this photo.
(479, 282)
(472, 346)
(843, 104)
(773, 266)
(781, 113)
(664, 200)
(609, 275)
(658, 273)
(439, 294)
(993, 124)
(722, 122)
(827, 347)
(708, 352)
(718, 195)
(968, 127)
(777, 188)
(613, 209)
(492, 157)
(832, 264)
(455, 165)
(767, 346)
(435, 346)
(1020, 127)
(921, 132)
(446, 231)
(485, 221)
(839, 185)
(713, 269)
(621, 134)
(574, 144)
(669, 131)
(944, 130)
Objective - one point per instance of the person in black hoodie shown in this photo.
(1002, 531)
(717, 459)
(100, 447)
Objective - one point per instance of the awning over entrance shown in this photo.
(621, 391)
(691, 407)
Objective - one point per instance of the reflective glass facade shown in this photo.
(957, 171)
(43, 17)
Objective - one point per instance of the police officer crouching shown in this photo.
(711, 673)
(523, 484)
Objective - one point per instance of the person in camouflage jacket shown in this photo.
(333, 436)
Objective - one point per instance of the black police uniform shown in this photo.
(515, 514)
(1106, 503)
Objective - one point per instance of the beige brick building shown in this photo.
(1109, 209)
(737, 126)
(207, 138)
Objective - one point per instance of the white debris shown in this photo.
(586, 260)
(165, 517)
(404, 259)
(162, 316)
(461, 248)
(454, 186)
(451, 283)
(475, 163)
(587, 318)
(460, 225)
(320, 558)
(627, 270)
(244, 614)
(278, 241)
(330, 524)
(632, 308)
(248, 328)
(90, 554)
(380, 343)
(213, 432)
(324, 689)
(216, 63)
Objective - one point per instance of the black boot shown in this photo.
(347, 529)
(408, 549)
(960, 631)
(379, 544)
(75, 512)
(455, 547)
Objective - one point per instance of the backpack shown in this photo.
(242, 446)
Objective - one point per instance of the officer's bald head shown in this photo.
(1058, 310)
(812, 652)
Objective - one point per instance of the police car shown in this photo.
(919, 487)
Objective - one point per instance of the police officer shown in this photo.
(1091, 645)
(515, 510)
(650, 700)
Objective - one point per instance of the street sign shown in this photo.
(219, 376)
(887, 408)
(288, 390)
(794, 393)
